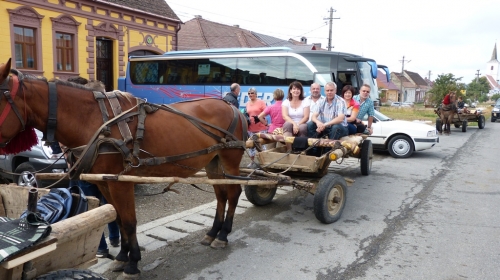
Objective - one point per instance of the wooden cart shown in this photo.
(310, 173)
(72, 242)
(463, 119)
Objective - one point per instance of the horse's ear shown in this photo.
(5, 70)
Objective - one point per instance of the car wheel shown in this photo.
(400, 146)
(26, 177)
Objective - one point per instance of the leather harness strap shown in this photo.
(99, 97)
(117, 110)
(50, 132)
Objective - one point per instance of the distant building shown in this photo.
(199, 33)
(492, 72)
(388, 89)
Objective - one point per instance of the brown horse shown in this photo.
(177, 140)
(446, 113)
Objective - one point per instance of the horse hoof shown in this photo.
(207, 240)
(131, 276)
(218, 244)
(117, 266)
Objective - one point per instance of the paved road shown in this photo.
(432, 216)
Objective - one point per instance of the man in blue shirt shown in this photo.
(365, 108)
(329, 116)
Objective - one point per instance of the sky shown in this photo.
(436, 37)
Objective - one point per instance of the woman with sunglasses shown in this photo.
(255, 106)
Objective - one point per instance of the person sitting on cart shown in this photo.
(329, 117)
(461, 105)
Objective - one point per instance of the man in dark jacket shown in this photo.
(232, 97)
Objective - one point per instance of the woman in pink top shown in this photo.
(255, 106)
(274, 111)
(352, 108)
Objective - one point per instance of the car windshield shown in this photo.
(498, 102)
(379, 116)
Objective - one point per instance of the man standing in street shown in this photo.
(315, 98)
(232, 97)
(365, 107)
(329, 116)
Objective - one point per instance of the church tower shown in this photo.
(492, 67)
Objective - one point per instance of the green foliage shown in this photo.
(478, 90)
(443, 85)
(495, 96)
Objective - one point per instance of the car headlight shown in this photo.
(432, 133)
(496, 109)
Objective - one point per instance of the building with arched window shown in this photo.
(87, 38)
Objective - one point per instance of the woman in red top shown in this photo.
(352, 108)
(255, 106)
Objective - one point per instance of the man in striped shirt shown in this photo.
(329, 116)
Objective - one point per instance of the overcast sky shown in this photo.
(440, 36)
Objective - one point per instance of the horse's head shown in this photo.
(14, 135)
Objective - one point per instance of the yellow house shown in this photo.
(87, 38)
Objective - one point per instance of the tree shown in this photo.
(495, 96)
(443, 85)
(478, 90)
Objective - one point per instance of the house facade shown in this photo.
(87, 38)
(389, 91)
(408, 89)
(421, 86)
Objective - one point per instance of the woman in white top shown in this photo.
(295, 111)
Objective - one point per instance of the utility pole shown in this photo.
(477, 75)
(400, 97)
(331, 18)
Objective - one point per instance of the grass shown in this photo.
(423, 114)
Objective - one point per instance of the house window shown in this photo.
(65, 40)
(25, 47)
(64, 52)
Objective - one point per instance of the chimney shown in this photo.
(303, 40)
(236, 25)
(197, 16)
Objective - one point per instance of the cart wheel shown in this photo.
(464, 126)
(330, 198)
(259, 196)
(439, 126)
(71, 274)
(481, 121)
(366, 157)
(457, 125)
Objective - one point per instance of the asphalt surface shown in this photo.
(431, 216)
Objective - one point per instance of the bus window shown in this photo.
(262, 70)
(296, 70)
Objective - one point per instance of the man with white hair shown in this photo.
(329, 117)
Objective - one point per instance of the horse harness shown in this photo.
(84, 157)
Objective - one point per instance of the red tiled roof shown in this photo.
(199, 33)
(157, 7)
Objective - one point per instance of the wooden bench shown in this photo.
(72, 243)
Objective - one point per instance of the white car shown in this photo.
(401, 138)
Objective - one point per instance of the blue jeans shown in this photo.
(334, 132)
(92, 190)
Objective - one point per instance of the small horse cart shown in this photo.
(463, 119)
(70, 247)
(308, 173)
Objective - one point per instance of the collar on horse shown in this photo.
(10, 96)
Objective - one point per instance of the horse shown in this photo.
(162, 140)
(446, 113)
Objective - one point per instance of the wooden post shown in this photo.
(32, 200)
